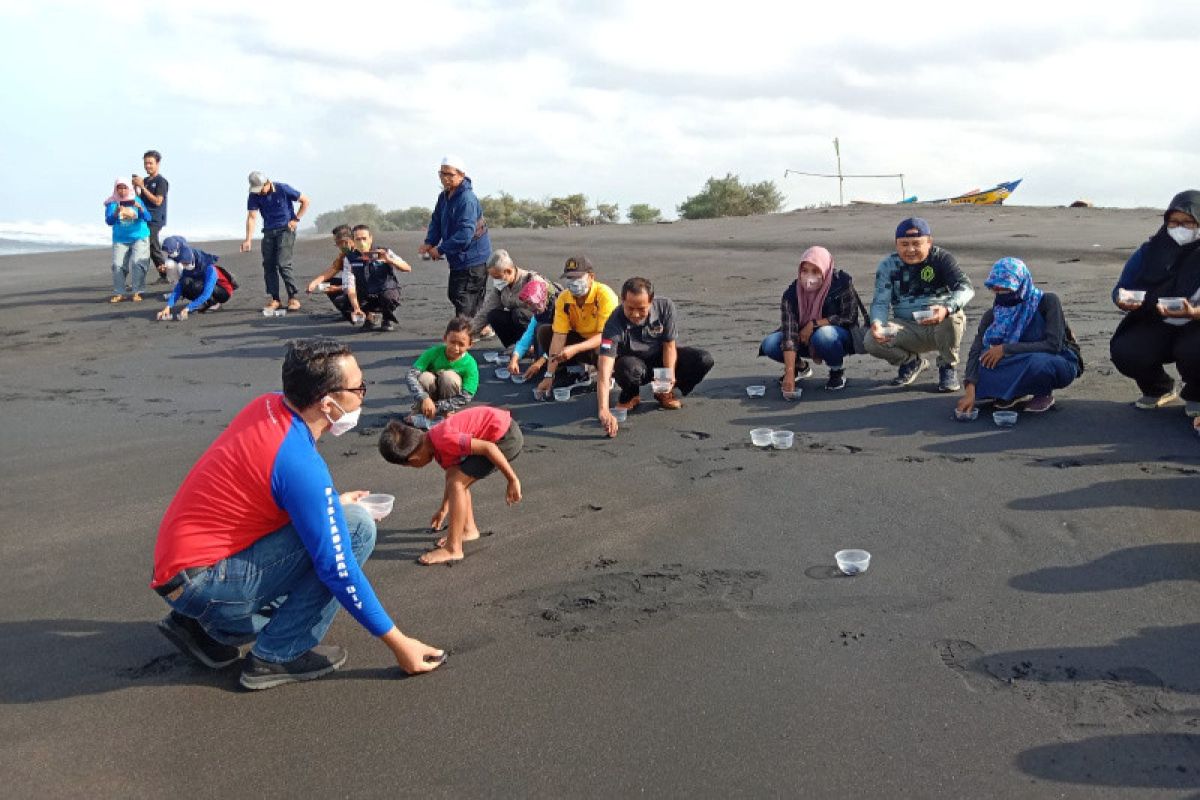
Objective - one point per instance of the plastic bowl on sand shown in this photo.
(378, 505)
(517, 377)
(620, 414)
(792, 396)
(502, 374)
(852, 562)
(761, 437)
(491, 356)
(756, 391)
(966, 416)
(1004, 419)
(782, 440)
(562, 394)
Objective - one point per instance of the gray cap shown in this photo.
(258, 181)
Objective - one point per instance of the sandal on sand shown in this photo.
(116, 298)
(271, 306)
(293, 304)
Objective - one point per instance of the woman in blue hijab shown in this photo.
(1023, 349)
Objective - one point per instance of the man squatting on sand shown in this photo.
(280, 220)
(258, 548)
(639, 337)
(573, 338)
(919, 280)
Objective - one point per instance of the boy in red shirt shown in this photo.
(469, 445)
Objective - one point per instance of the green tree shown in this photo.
(642, 213)
(607, 213)
(413, 218)
(571, 210)
(728, 197)
(356, 214)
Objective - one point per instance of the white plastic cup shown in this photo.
(281, 312)
(782, 440)
(756, 391)
(761, 437)
(378, 505)
(620, 414)
(358, 319)
(852, 562)
(562, 394)
(268, 312)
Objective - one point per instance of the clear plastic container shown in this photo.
(662, 374)
(620, 414)
(491, 356)
(792, 396)
(761, 437)
(658, 387)
(1172, 303)
(1004, 419)
(967, 416)
(517, 377)
(921, 316)
(756, 391)
(782, 440)
(1131, 296)
(502, 374)
(378, 505)
(562, 394)
(852, 562)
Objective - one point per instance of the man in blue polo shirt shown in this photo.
(280, 221)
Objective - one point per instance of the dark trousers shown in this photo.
(277, 261)
(509, 323)
(156, 251)
(465, 289)
(632, 372)
(546, 332)
(1141, 346)
(386, 303)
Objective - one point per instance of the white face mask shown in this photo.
(578, 287)
(345, 422)
(811, 283)
(1183, 235)
(499, 283)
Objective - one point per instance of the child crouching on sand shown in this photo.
(469, 445)
(445, 377)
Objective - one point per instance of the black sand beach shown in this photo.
(660, 614)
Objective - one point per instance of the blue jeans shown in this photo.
(828, 343)
(270, 594)
(130, 260)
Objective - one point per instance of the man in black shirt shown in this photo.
(638, 338)
(153, 191)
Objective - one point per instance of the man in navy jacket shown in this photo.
(459, 232)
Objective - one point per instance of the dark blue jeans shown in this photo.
(270, 594)
(830, 343)
(277, 261)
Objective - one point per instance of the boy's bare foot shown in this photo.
(439, 556)
(469, 536)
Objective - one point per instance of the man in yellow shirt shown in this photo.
(573, 338)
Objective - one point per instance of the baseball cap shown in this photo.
(258, 181)
(578, 266)
(902, 230)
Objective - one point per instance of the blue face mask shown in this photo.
(1007, 300)
(578, 287)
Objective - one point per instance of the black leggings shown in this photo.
(632, 372)
(1143, 344)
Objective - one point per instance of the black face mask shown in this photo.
(1007, 300)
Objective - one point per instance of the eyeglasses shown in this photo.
(360, 390)
(444, 174)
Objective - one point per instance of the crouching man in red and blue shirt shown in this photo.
(257, 546)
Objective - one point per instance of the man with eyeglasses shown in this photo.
(257, 548)
(458, 231)
(275, 200)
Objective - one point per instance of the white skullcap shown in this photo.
(455, 162)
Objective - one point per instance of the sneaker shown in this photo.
(367, 326)
(486, 333)
(215, 307)
(1148, 401)
(1192, 408)
(837, 380)
(948, 379)
(668, 400)
(1001, 404)
(321, 660)
(803, 369)
(909, 371)
(387, 326)
(293, 304)
(116, 298)
(186, 634)
(1040, 403)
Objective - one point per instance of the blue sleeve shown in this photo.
(175, 295)
(464, 230)
(881, 303)
(302, 486)
(210, 282)
(143, 214)
(110, 213)
(253, 202)
(526, 339)
(1133, 268)
(433, 233)
(290, 192)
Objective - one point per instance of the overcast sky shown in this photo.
(624, 101)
